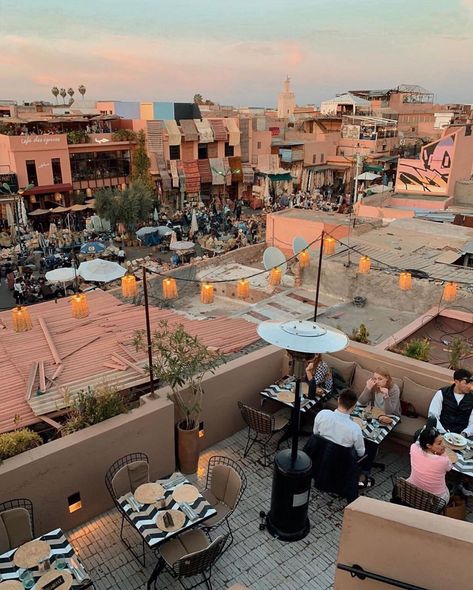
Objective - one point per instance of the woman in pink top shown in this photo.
(429, 463)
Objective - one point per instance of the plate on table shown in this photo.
(148, 493)
(185, 493)
(31, 553)
(51, 575)
(456, 441)
(11, 585)
(451, 455)
(359, 421)
(287, 397)
(178, 517)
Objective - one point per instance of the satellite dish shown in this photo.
(299, 244)
(274, 257)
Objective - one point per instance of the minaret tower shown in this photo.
(286, 101)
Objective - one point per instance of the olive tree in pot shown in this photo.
(182, 360)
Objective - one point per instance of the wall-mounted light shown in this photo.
(201, 430)
(74, 502)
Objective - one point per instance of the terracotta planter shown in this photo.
(188, 449)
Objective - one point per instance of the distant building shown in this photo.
(345, 104)
(286, 101)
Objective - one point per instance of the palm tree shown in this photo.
(63, 93)
(82, 90)
(55, 92)
(198, 98)
(70, 92)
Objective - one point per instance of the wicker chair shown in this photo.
(226, 482)
(123, 476)
(189, 554)
(261, 425)
(16, 523)
(418, 498)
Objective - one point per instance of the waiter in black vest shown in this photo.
(453, 405)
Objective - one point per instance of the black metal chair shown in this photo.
(409, 495)
(17, 517)
(261, 425)
(123, 476)
(224, 487)
(187, 555)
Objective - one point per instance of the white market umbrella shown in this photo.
(173, 238)
(194, 225)
(302, 336)
(23, 213)
(100, 271)
(367, 176)
(155, 215)
(61, 275)
(164, 230)
(180, 246)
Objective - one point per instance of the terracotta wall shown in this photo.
(411, 546)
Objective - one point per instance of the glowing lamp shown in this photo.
(275, 277)
(405, 281)
(129, 286)
(364, 266)
(304, 259)
(449, 292)
(206, 293)
(79, 306)
(243, 289)
(21, 319)
(169, 288)
(74, 502)
(329, 246)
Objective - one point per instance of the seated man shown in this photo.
(452, 405)
(338, 427)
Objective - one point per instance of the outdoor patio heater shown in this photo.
(287, 519)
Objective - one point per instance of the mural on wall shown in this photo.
(429, 174)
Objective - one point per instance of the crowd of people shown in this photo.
(324, 199)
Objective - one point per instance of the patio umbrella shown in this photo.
(194, 225)
(61, 275)
(79, 207)
(164, 231)
(60, 210)
(155, 215)
(92, 248)
(179, 246)
(144, 231)
(367, 176)
(23, 213)
(100, 271)
(39, 212)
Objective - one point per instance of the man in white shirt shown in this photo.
(338, 427)
(453, 405)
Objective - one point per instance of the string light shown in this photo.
(329, 246)
(129, 286)
(243, 289)
(364, 266)
(449, 292)
(275, 277)
(304, 258)
(405, 281)
(169, 288)
(21, 319)
(79, 306)
(206, 293)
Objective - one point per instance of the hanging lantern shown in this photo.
(275, 277)
(58, 197)
(169, 289)
(206, 293)
(329, 246)
(79, 306)
(129, 286)
(33, 199)
(21, 319)
(243, 289)
(364, 266)
(449, 292)
(88, 192)
(405, 281)
(304, 259)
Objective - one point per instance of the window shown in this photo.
(31, 172)
(314, 159)
(322, 158)
(99, 165)
(203, 151)
(258, 145)
(174, 152)
(228, 150)
(57, 172)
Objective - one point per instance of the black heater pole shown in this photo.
(148, 332)
(317, 286)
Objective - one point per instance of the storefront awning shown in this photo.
(174, 133)
(48, 188)
(373, 168)
(277, 177)
(219, 129)
(189, 130)
(204, 171)
(206, 135)
(191, 171)
(233, 131)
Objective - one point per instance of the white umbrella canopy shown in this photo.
(100, 271)
(368, 176)
(302, 336)
(61, 275)
(194, 225)
(144, 231)
(155, 215)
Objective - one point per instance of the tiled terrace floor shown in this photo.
(255, 559)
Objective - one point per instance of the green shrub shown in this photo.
(418, 349)
(458, 350)
(18, 441)
(124, 135)
(360, 334)
(78, 136)
(92, 406)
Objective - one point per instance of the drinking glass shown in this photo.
(26, 578)
(60, 563)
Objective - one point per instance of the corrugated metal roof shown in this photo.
(85, 345)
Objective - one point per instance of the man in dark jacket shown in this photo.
(453, 405)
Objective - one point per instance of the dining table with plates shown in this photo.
(374, 423)
(460, 452)
(283, 391)
(44, 563)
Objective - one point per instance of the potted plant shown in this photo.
(418, 349)
(182, 360)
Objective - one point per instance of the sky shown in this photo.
(234, 52)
